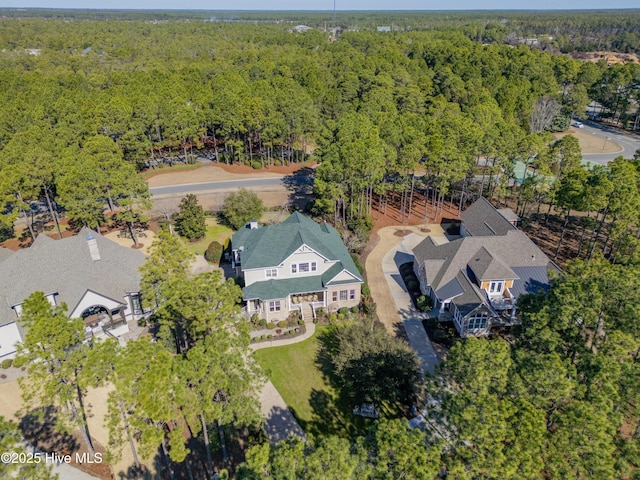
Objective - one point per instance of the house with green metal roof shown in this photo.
(296, 266)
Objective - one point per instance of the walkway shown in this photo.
(395, 308)
(310, 330)
(280, 422)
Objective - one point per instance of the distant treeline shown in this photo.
(566, 31)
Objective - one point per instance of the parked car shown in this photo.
(577, 124)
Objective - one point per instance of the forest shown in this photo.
(439, 111)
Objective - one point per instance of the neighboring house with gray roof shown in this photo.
(476, 280)
(95, 277)
(298, 265)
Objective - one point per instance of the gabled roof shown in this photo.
(270, 246)
(516, 252)
(486, 266)
(65, 266)
(471, 297)
(482, 219)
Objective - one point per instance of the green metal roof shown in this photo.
(271, 245)
(276, 289)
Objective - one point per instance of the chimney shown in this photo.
(93, 247)
(253, 224)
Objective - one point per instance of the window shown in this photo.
(477, 321)
(334, 296)
(274, 306)
(343, 295)
(352, 294)
(304, 267)
(136, 307)
(271, 272)
(495, 287)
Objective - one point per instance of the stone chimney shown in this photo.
(93, 247)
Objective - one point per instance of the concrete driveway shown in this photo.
(395, 309)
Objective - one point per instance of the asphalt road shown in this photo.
(629, 142)
(231, 184)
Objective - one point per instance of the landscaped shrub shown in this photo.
(283, 324)
(300, 322)
(263, 337)
(412, 284)
(423, 303)
(365, 290)
(213, 252)
(343, 311)
(368, 307)
(341, 317)
(6, 363)
(271, 325)
(263, 322)
(256, 165)
(19, 362)
(333, 317)
(269, 337)
(355, 309)
(255, 318)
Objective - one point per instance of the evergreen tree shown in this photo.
(190, 222)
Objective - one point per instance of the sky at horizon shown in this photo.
(323, 5)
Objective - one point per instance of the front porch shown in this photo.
(279, 309)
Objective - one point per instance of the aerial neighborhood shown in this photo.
(341, 245)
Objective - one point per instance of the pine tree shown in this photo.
(190, 221)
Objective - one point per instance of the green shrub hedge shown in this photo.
(213, 252)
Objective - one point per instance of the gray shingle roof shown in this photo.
(516, 251)
(5, 253)
(65, 266)
(482, 219)
(486, 266)
(269, 246)
(471, 297)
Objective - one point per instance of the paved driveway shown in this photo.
(395, 309)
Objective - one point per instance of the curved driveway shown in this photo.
(394, 306)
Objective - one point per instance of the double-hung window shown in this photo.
(271, 272)
(343, 295)
(274, 306)
(303, 267)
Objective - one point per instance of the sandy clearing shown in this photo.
(590, 143)
(208, 173)
(11, 402)
(145, 240)
(386, 307)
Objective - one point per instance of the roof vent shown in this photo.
(253, 224)
(533, 258)
(93, 247)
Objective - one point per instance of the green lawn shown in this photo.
(215, 231)
(294, 371)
